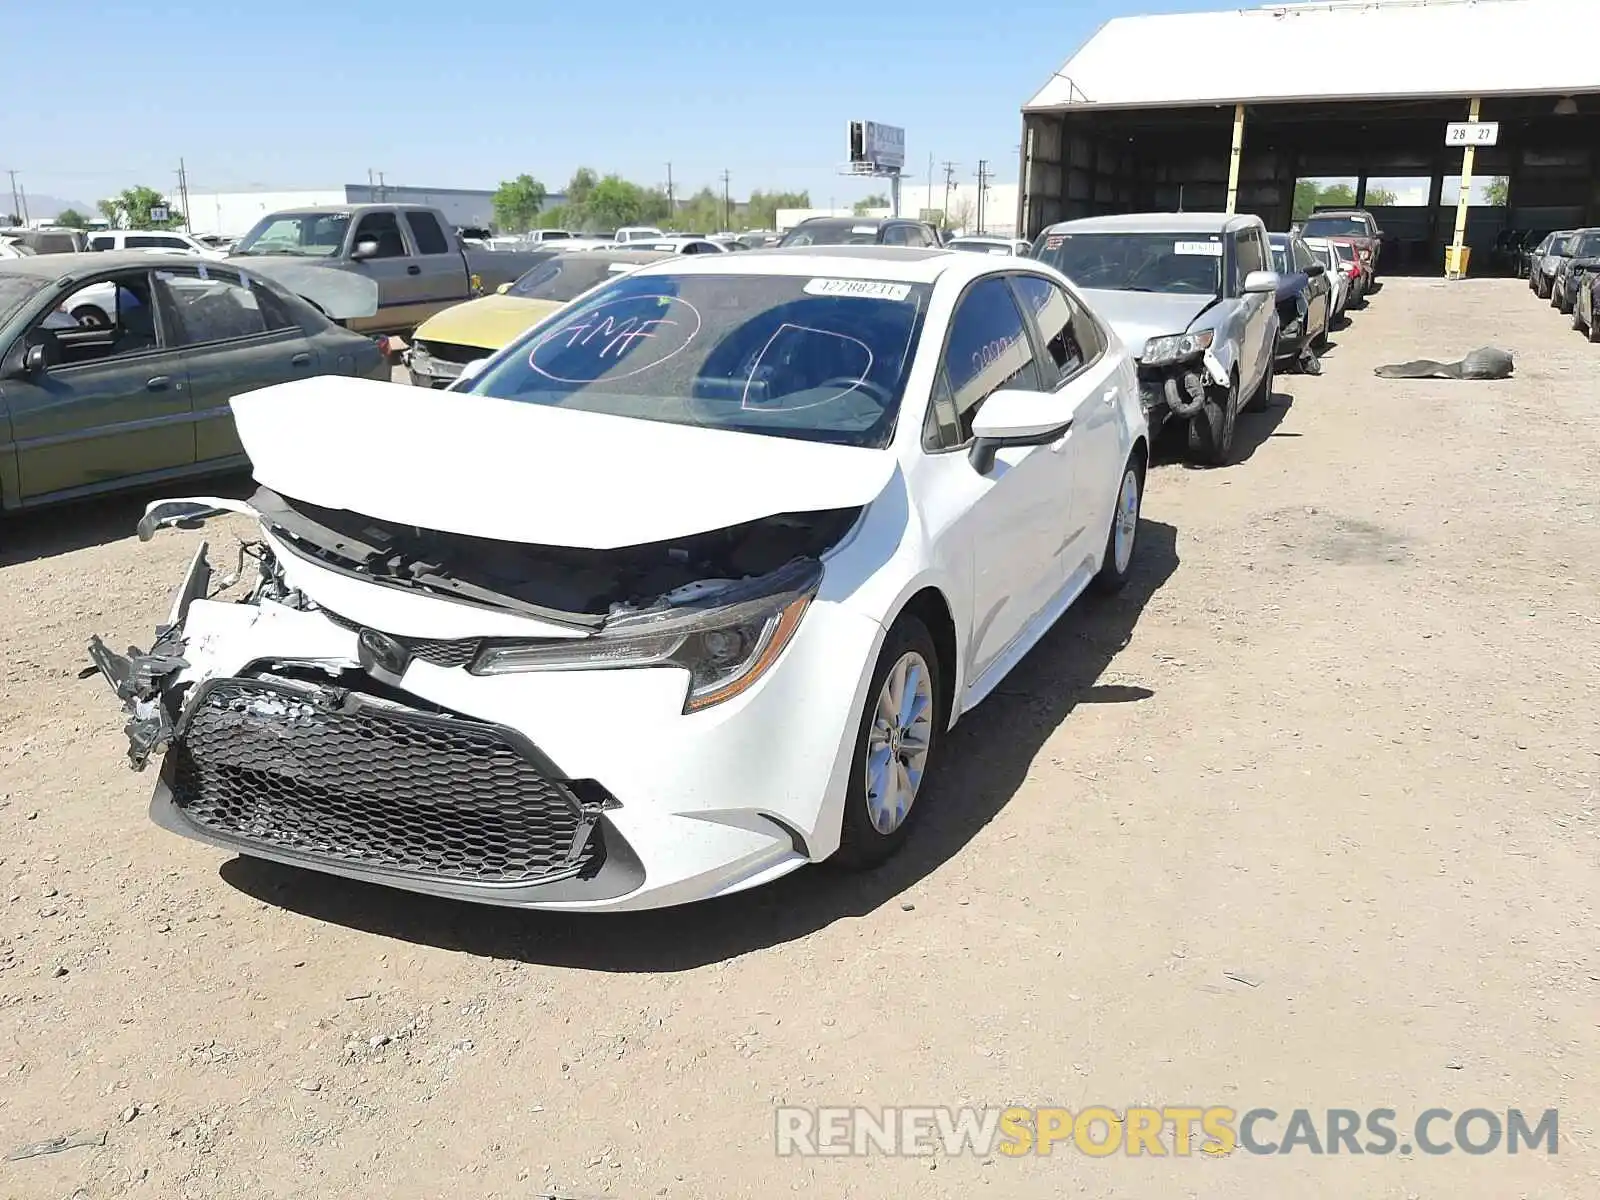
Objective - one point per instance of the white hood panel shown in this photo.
(484, 467)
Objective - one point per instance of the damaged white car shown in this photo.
(679, 592)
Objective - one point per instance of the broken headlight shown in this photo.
(725, 646)
(1175, 347)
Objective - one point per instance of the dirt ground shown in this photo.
(1304, 819)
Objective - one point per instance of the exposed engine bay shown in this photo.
(575, 586)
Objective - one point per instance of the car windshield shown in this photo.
(1345, 251)
(1585, 245)
(14, 292)
(567, 277)
(832, 233)
(1335, 227)
(980, 246)
(1174, 263)
(821, 360)
(315, 235)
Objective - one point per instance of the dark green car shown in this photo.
(116, 368)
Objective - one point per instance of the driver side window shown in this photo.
(987, 349)
(109, 318)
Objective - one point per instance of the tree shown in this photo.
(1309, 195)
(762, 208)
(131, 209)
(517, 203)
(962, 211)
(73, 218)
(863, 206)
(1377, 197)
(615, 202)
(1498, 193)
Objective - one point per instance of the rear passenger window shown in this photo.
(988, 349)
(426, 233)
(1060, 325)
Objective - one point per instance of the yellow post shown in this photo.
(1455, 262)
(1238, 150)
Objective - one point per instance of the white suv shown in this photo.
(170, 240)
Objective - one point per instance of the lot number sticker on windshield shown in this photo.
(1209, 249)
(870, 289)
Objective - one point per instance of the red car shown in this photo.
(1359, 273)
(1353, 223)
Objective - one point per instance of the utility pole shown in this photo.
(727, 212)
(672, 207)
(383, 189)
(949, 182)
(370, 192)
(25, 217)
(183, 195)
(983, 186)
(16, 206)
(928, 200)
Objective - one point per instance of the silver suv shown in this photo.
(1192, 297)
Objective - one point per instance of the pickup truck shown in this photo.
(410, 251)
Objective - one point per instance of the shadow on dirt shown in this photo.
(28, 536)
(983, 763)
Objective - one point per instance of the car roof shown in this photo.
(899, 264)
(622, 256)
(1341, 212)
(1158, 222)
(73, 266)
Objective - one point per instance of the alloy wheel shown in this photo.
(898, 742)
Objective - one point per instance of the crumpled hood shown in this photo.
(485, 467)
(1139, 316)
(342, 294)
(487, 323)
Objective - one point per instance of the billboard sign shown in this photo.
(882, 147)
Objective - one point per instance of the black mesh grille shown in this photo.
(438, 651)
(460, 355)
(377, 787)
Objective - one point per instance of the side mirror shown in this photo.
(34, 360)
(1016, 418)
(1316, 269)
(1258, 282)
(365, 249)
(502, 289)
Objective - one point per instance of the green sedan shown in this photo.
(116, 369)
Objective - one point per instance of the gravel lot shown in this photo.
(1304, 819)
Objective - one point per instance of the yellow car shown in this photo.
(463, 333)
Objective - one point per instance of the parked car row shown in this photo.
(1565, 269)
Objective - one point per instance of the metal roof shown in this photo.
(1190, 222)
(1344, 50)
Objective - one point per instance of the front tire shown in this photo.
(895, 744)
(1121, 538)
(1211, 429)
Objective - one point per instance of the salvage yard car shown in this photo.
(446, 343)
(141, 394)
(1580, 255)
(409, 251)
(1304, 295)
(709, 563)
(1547, 257)
(1192, 297)
(1354, 223)
(861, 231)
(1586, 306)
(983, 244)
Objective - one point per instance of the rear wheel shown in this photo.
(1211, 429)
(1117, 564)
(895, 743)
(1594, 328)
(89, 316)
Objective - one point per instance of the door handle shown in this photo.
(300, 360)
(158, 384)
(1110, 396)
(413, 269)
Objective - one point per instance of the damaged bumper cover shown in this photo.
(1180, 389)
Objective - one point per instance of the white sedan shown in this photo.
(678, 592)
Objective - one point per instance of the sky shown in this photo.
(314, 94)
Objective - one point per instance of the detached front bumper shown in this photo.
(561, 790)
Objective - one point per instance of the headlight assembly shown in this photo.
(1175, 347)
(725, 646)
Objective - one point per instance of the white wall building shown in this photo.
(999, 207)
(234, 213)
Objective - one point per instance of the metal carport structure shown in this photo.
(1224, 111)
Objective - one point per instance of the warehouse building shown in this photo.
(234, 213)
(1236, 110)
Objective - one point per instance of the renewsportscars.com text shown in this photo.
(1172, 1130)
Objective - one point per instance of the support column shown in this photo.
(1233, 160)
(1468, 156)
